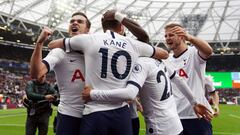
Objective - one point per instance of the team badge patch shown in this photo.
(150, 130)
(137, 68)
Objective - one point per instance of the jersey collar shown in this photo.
(180, 53)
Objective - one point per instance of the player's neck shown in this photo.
(178, 51)
(116, 31)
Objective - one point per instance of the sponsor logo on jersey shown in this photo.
(77, 75)
(182, 73)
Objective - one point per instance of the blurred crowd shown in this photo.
(13, 78)
(227, 96)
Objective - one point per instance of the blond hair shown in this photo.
(171, 25)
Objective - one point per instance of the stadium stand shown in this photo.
(14, 68)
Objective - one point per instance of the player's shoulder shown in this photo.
(84, 37)
(148, 64)
(98, 34)
(133, 40)
(146, 61)
(192, 48)
(57, 50)
(95, 37)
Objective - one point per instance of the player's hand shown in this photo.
(109, 15)
(139, 106)
(50, 98)
(202, 112)
(45, 33)
(216, 110)
(86, 93)
(181, 32)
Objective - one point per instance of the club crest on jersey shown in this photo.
(137, 68)
(184, 61)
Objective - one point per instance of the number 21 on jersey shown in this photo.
(167, 89)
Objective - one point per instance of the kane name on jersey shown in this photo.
(114, 43)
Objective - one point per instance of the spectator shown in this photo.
(40, 94)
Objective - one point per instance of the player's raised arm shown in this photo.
(160, 53)
(76, 43)
(136, 30)
(205, 50)
(131, 25)
(37, 67)
(58, 43)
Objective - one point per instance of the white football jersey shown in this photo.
(209, 85)
(109, 58)
(69, 72)
(153, 79)
(190, 66)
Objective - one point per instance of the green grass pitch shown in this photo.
(12, 122)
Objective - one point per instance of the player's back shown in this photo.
(156, 88)
(109, 58)
(157, 100)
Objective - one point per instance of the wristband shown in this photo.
(119, 16)
(66, 43)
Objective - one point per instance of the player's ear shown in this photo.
(121, 29)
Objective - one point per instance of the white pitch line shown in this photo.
(17, 125)
(6, 116)
(235, 116)
(13, 125)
